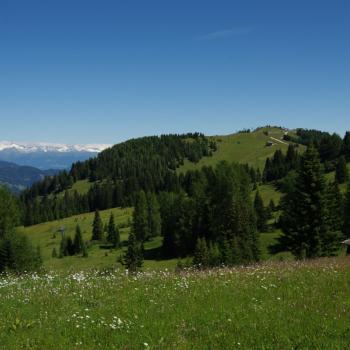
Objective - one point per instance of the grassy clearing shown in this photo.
(47, 236)
(247, 148)
(272, 306)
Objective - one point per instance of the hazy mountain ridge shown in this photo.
(18, 177)
(47, 155)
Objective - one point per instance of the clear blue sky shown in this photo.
(83, 71)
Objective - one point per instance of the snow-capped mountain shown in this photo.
(50, 147)
(47, 155)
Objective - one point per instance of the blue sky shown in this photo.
(83, 71)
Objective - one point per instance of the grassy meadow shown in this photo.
(295, 305)
(247, 148)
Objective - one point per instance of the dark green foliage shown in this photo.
(346, 222)
(153, 215)
(261, 213)
(78, 242)
(305, 222)
(133, 257)
(9, 212)
(140, 218)
(201, 254)
(113, 235)
(279, 165)
(217, 208)
(341, 170)
(97, 227)
(16, 252)
(346, 146)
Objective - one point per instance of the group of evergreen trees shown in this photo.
(16, 252)
(280, 164)
(70, 247)
(313, 216)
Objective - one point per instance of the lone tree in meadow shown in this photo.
(97, 227)
(133, 257)
(305, 221)
(113, 235)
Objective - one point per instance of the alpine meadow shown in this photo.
(174, 175)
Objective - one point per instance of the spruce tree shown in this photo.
(78, 242)
(341, 171)
(113, 235)
(261, 213)
(133, 257)
(140, 218)
(97, 227)
(346, 217)
(305, 220)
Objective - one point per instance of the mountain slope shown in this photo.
(18, 177)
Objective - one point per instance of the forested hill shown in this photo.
(147, 163)
(156, 164)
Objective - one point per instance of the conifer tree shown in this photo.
(140, 218)
(346, 220)
(97, 227)
(133, 257)
(78, 242)
(113, 235)
(341, 171)
(305, 220)
(261, 213)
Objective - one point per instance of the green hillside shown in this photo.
(250, 148)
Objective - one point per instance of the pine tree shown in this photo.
(78, 242)
(305, 221)
(341, 171)
(97, 227)
(140, 218)
(113, 235)
(261, 213)
(133, 257)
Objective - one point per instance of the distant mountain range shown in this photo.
(47, 155)
(17, 177)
